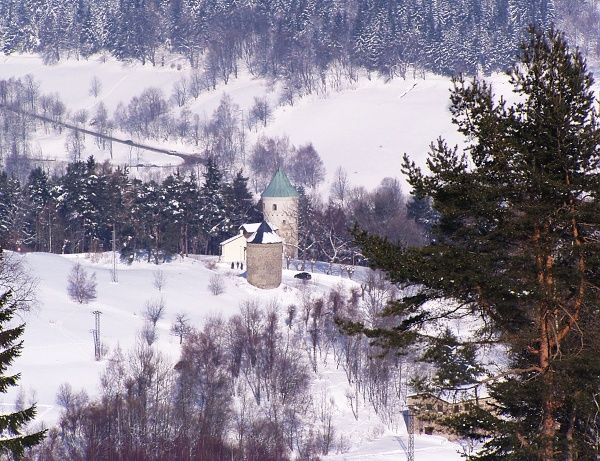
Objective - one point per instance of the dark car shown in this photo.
(303, 276)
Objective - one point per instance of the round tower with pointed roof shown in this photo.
(280, 207)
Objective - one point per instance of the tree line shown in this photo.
(76, 211)
(298, 41)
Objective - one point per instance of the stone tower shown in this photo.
(264, 251)
(280, 207)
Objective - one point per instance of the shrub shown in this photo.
(216, 285)
(81, 287)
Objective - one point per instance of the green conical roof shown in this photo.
(280, 186)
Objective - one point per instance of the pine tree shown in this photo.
(38, 214)
(10, 212)
(215, 223)
(240, 203)
(181, 209)
(307, 238)
(12, 439)
(419, 210)
(516, 245)
(148, 212)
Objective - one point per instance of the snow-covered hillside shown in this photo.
(365, 128)
(59, 346)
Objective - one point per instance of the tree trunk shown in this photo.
(549, 404)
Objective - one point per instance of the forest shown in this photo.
(504, 233)
(76, 213)
(298, 41)
(74, 206)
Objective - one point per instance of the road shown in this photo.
(188, 159)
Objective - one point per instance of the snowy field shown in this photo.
(365, 128)
(59, 346)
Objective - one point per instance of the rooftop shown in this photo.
(264, 234)
(280, 186)
(253, 227)
(229, 240)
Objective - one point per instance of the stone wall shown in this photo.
(285, 217)
(264, 265)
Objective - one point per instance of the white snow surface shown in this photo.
(365, 127)
(253, 227)
(267, 237)
(58, 344)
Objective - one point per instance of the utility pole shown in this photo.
(96, 334)
(409, 419)
(115, 279)
(49, 230)
(243, 138)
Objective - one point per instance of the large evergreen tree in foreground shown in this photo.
(516, 246)
(12, 440)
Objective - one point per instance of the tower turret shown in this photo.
(280, 207)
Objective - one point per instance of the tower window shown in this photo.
(274, 207)
(284, 221)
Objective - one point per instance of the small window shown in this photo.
(284, 221)
(274, 207)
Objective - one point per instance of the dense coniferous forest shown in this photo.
(296, 39)
(75, 212)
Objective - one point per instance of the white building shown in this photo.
(233, 250)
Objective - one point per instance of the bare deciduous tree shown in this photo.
(197, 84)
(340, 186)
(95, 87)
(75, 145)
(160, 279)
(216, 285)
(267, 155)
(306, 167)
(223, 136)
(16, 278)
(180, 91)
(181, 327)
(148, 333)
(80, 117)
(81, 287)
(155, 310)
(260, 112)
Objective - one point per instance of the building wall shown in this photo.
(428, 410)
(264, 265)
(285, 216)
(234, 251)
